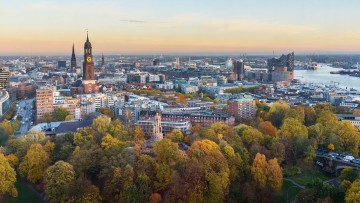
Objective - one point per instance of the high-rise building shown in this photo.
(61, 64)
(243, 108)
(281, 69)
(157, 129)
(239, 69)
(44, 102)
(73, 60)
(156, 62)
(4, 78)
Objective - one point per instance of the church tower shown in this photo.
(88, 66)
(73, 60)
(89, 81)
(103, 67)
(157, 128)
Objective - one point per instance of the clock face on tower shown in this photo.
(88, 59)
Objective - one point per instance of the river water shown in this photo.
(322, 75)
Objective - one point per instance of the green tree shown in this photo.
(35, 163)
(7, 178)
(349, 174)
(348, 135)
(60, 113)
(57, 178)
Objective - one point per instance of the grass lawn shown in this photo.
(309, 174)
(289, 191)
(25, 194)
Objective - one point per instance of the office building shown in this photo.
(243, 108)
(4, 78)
(239, 69)
(44, 102)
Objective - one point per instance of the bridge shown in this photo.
(334, 165)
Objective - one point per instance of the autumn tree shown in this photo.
(7, 178)
(356, 112)
(108, 112)
(109, 142)
(258, 171)
(181, 99)
(35, 163)
(252, 135)
(277, 113)
(139, 134)
(82, 190)
(274, 175)
(349, 137)
(57, 178)
(166, 151)
(176, 135)
(267, 128)
(13, 160)
(353, 194)
(291, 128)
(207, 155)
(60, 113)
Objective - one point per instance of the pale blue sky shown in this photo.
(171, 26)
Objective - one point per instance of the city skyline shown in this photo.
(163, 27)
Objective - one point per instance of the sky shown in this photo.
(49, 27)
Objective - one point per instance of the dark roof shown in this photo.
(74, 126)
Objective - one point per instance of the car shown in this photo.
(349, 157)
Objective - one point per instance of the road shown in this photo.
(25, 109)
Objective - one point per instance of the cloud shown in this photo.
(134, 21)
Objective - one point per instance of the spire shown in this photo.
(87, 36)
(73, 50)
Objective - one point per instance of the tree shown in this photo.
(13, 160)
(176, 135)
(166, 151)
(207, 155)
(327, 119)
(349, 174)
(291, 128)
(139, 134)
(57, 178)
(181, 99)
(267, 128)
(60, 113)
(348, 135)
(310, 116)
(356, 112)
(353, 194)
(274, 175)
(82, 191)
(331, 147)
(35, 163)
(69, 118)
(6, 125)
(258, 171)
(7, 178)
(108, 112)
(277, 113)
(108, 142)
(252, 135)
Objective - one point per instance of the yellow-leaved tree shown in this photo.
(7, 178)
(35, 163)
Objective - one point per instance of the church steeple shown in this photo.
(88, 66)
(73, 59)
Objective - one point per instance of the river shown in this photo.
(322, 75)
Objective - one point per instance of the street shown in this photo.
(25, 110)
